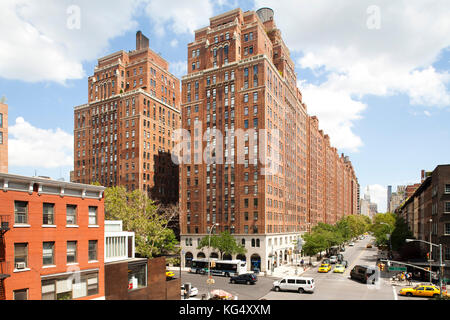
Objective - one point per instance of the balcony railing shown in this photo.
(5, 223)
(5, 269)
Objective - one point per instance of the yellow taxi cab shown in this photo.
(170, 274)
(421, 291)
(339, 268)
(325, 267)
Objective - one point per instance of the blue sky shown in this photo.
(376, 73)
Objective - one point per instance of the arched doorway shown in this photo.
(201, 255)
(255, 262)
(188, 259)
(227, 256)
(241, 257)
(214, 255)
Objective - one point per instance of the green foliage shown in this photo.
(383, 224)
(140, 215)
(324, 236)
(225, 243)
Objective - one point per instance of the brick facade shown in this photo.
(123, 136)
(34, 232)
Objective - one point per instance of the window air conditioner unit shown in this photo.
(21, 265)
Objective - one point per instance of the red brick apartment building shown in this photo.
(123, 135)
(427, 213)
(241, 77)
(3, 138)
(51, 239)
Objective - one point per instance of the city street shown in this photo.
(329, 286)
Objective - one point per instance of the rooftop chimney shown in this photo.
(142, 41)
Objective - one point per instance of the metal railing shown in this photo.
(5, 269)
(5, 223)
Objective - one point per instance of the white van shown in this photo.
(299, 284)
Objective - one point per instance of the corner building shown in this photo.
(123, 135)
(241, 77)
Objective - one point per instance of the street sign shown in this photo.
(397, 268)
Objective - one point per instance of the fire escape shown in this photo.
(4, 265)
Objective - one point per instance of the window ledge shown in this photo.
(48, 226)
(94, 226)
(72, 226)
(22, 226)
(47, 267)
(21, 270)
(72, 264)
(93, 261)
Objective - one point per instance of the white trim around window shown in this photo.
(22, 226)
(72, 226)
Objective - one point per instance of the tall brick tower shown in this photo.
(123, 135)
(241, 78)
(3, 137)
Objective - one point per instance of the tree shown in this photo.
(400, 234)
(225, 243)
(383, 224)
(141, 215)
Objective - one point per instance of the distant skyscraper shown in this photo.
(389, 195)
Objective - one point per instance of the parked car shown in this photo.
(342, 249)
(339, 268)
(247, 278)
(194, 291)
(351, 244)
(324, 268)
(326, 261)
(340, 257)
(421, 291)
(299, 284)
(333, 259)
(364, 273)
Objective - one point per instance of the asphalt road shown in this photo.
(329, 286)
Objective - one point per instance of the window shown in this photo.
(48, 250)
(21, 294)
(48, 213)
(447, 229)
(71, 251)
(447, 188)
(20, 255)
(1, 137)
(93, 250)
(20, 212)
(71, 214)
(92, 215)
(137, 276)
(1, 120)
(72, 287)
(447, 253)
(447, 207)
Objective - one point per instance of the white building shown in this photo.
(119, 245)
(263, 251)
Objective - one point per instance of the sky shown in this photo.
(376, 73)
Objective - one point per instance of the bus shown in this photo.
(226, 268)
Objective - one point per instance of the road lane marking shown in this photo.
(395, 293)
(347, 272)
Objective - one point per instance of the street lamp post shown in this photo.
(431, 249)
(390, 234)
(209, 255)
(440, 261)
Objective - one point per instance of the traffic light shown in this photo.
(428, 255)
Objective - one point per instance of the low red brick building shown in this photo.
(52, 239)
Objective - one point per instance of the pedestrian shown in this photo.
(410, 277)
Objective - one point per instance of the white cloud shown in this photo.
(178, 68)
(356, 61)
(180, 16)
(30, 146)
(174, 43)
(37, 44)
(378, 195)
